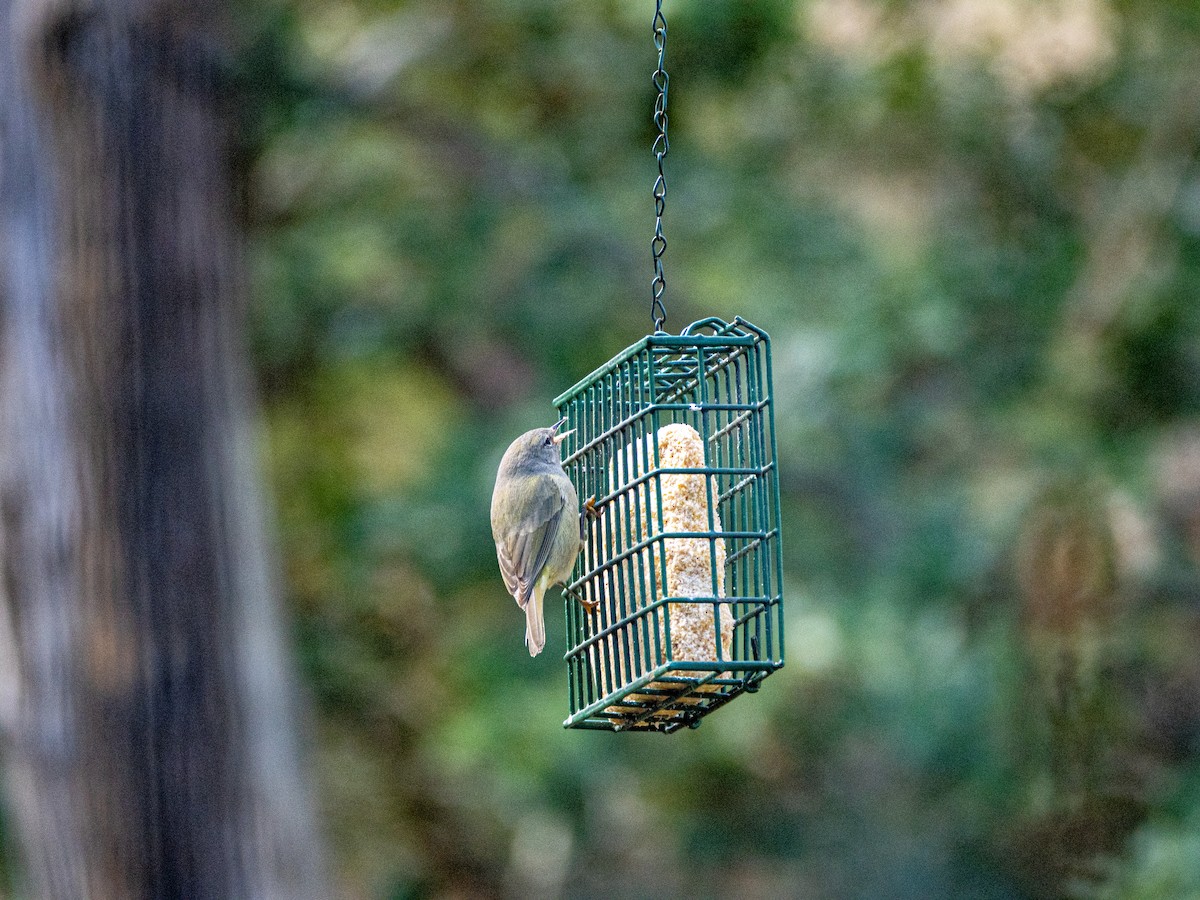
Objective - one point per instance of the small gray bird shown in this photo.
(536, 524)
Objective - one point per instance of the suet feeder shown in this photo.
(675, 438)
(676, 602)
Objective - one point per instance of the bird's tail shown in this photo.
(535, 625)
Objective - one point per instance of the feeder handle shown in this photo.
(718, 326)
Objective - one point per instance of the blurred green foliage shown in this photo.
(973, 230)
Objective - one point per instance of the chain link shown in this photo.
(658, 245)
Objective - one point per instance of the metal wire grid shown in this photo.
(625, 669)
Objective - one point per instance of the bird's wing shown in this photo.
(523, 553)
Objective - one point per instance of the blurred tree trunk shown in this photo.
(149, 721)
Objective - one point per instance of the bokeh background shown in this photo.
(972, 228)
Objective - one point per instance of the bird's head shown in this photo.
(537, 449)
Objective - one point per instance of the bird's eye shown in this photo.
(549, 440)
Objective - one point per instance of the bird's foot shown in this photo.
(590, 605)
(589, 513)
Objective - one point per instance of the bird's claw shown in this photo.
(590, 605)
(589, 513)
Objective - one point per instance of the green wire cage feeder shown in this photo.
(675, 438)
(679, 584)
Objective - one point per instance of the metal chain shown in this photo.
(658, 311)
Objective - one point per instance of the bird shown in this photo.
(537, 524)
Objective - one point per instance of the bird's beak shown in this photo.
(559, 438)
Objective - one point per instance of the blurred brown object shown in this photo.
(1066, 567)
(1076, 731)
(149, 717)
